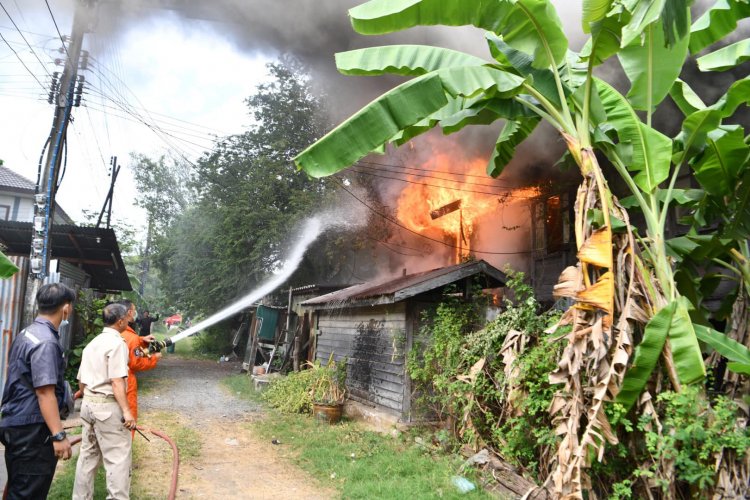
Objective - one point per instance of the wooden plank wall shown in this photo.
(373, 340)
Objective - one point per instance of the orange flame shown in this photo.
(442, 180)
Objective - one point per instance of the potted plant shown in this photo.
(328, 390)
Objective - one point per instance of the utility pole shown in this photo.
(44, 201)
(115, 169)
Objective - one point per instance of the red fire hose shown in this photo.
(175, 459)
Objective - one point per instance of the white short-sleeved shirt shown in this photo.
(103, 359)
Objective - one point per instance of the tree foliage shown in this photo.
(222, 225)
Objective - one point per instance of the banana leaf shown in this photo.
(738, 226)
(725, 58)
(729, 348)
(646, 355)
(720, 20)
(742, 368)
(675, 20)
(643, 13)
(717, 169)
(407, 60)
(593, 11)
(686, 352)
(671, 322)
(513, 133)
(542, 80)
(651, 67)
(531, 26)
(645, 151)
(685, 98)
(7, 267)
(604, 41)
(402, 107)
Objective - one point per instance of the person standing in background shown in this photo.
(146, 321)
(31, 427)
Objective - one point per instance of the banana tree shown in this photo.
(622, 280)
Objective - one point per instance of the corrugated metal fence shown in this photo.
(12, 293)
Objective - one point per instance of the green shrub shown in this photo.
(215, 340)
(695, 431)
(292, 394)
(460, 373)
(89, 314)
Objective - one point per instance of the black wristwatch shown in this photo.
(59, 436)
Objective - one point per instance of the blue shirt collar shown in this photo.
(48, 323)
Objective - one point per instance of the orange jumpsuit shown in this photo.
(137, 362)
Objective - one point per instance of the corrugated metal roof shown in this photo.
(12, 180)
(96, 249)
(394, 290)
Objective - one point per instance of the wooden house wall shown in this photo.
(373, 340)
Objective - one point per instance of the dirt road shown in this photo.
(232, 462)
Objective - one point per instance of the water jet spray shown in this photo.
(310, 231)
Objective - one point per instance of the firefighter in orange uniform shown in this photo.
(138, 361)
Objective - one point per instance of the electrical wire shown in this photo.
(428, 176)
(395, 222)
(54, 21)
(434, 171)
(24, 64)
(24, 39)
(505, 193)
(178, 129)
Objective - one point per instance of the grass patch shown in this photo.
(360, 463)
(185, 348)
(145, 455)
(153, 459)
(365, 464)
(241, 386)
(65, 475)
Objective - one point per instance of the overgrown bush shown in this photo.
(292, 394)
(215, 340)
(694, 434)
(491, 386)
(89, 314)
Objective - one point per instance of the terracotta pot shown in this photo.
(259, 370)
(328, 413)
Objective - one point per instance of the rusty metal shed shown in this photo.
(372, 325)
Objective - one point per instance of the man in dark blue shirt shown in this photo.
(31, 428)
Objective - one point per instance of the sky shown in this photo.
(183, 76)
(176, 74)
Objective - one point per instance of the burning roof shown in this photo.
(395, 290)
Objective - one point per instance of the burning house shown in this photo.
(373, 325)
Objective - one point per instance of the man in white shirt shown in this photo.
(106, 417)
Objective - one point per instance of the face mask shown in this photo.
(64, 322)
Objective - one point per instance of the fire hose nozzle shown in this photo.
(157, 345)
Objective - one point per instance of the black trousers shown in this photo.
(30, 461)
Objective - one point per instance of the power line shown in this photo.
(154, 127)
(392, 221)
(426, 170)
(54, 21)
(165, 126)
(24, 64)
(24, 39)
(400, 172)
(505, 193)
